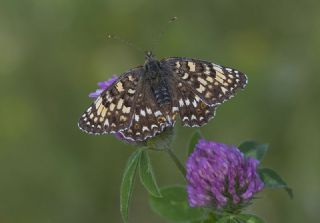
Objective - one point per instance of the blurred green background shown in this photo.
(52, 53)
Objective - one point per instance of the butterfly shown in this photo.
(147, 99)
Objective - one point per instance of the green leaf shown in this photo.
(241, 218)
(193, 141)
(227, 219)
(147, 176)
(174, 206)
(161, 141)
(127, 183)
(211, 218)
(254, 149)
(272, 180)
(249, 218)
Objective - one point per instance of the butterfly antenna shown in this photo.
(126, 42)
(159, 38)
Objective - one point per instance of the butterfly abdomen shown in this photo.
(161, 93)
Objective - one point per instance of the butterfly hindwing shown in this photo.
(211, 82)
(193, 111)
(148, 119)
(112, 111)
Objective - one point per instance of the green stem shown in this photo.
(177, 162)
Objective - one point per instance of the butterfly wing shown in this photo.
(193, 111)
(213, 83)
(148, 119)
(112, 111)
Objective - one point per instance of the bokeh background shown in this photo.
(52, 53)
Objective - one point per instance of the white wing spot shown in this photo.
(123, 118)
(210, 79)
(207, 71)
(181, 103)
(119, 86)
(185, 76)
(221, 75)
(120, 103)
(174, 109)
(143, 112)
(157, 113)
(104, 111)
(208, 94)
(98, 102)
(112, 106)
(202, 81)
(130, 78)
(187, 101)
(224, 90)
(145, 129)
(100, 109)
(136, 117)
(149, 111)
(126, 109)
(192, 66)
(131, 91)
(194, 103)
(217, 68)
(201, 88)
(106, 123)
(219, 79)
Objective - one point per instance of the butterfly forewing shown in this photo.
(211, 82)
(112, 111)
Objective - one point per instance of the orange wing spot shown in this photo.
(203, 105)
(136, 126)
(161, 119)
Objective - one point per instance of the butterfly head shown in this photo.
(151, 64)
(149, 55)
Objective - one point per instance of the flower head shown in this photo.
(220, 176)
(103, 85)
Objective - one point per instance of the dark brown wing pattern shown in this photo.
(148, 119)
(112, 111)
(130, 107)
(213, 83)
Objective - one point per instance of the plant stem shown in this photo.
(177, 162)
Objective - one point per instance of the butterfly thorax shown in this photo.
(156, 76)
